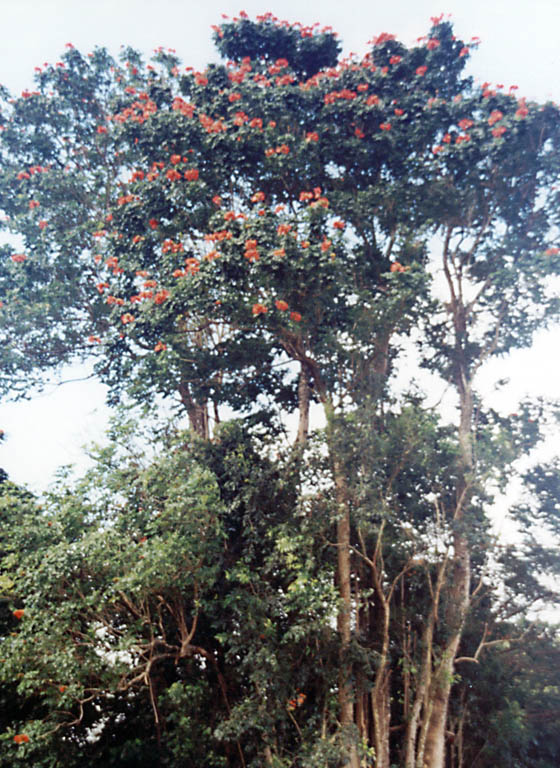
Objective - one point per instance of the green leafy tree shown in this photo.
(260, 236)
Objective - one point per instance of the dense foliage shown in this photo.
(260, 238)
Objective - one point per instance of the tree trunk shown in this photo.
(346, 692)
(304, 396)
(458, 588)
(197, 412)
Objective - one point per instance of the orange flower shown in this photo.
(498, 131)
(281, 305)
(62, 688)
(339, 224)
(127, 318)
(160, 347)
(94, 340)
(18, 258)
(18, 613)
(258, 197)
(161, 296)
(495, 117)
(295, 316)
(259, 309)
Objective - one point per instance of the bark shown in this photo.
(458, 588)
(304, 397)
(346, 692)
(197, 412)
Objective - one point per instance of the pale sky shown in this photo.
(519, 46)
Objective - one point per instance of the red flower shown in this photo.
(339, 225)
(447, 138)
(153, 223)
(234, 97)
(191, 175)
(18, 257)
(21, 738)
(522, 112)
(62, 688)
(127, 318)
(94, 340)
(398, 267)
(42, 224)
(281, 305)
(174, 159)
(399, 112)
(312, 136)
(432, 44)
(498, 131)
(421, 71)
(33, 204)
(160, 347)
(173, 175)
(464, 51)
(465, 123)
(18, 613)
(372, 100)
(101, 129)
(259, 309)
(552, 251)
(258, 197)
(395, 59)
(385, 126)
(295, 316)
(161, 296)
(359, 133)
(495, 117)
(217, 200)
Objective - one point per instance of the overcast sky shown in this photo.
(519, 46)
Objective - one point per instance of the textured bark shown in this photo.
(197, 413)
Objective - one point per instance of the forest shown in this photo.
(284, 556)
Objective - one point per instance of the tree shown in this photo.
(260, 236)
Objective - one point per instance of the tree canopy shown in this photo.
(256, 239)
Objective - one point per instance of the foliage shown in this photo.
(260, 237)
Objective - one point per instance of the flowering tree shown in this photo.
(259, 236)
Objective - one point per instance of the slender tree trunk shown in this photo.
(346, 691)
(304, 397)
(458, 589)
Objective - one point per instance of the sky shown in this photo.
(519, 46)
